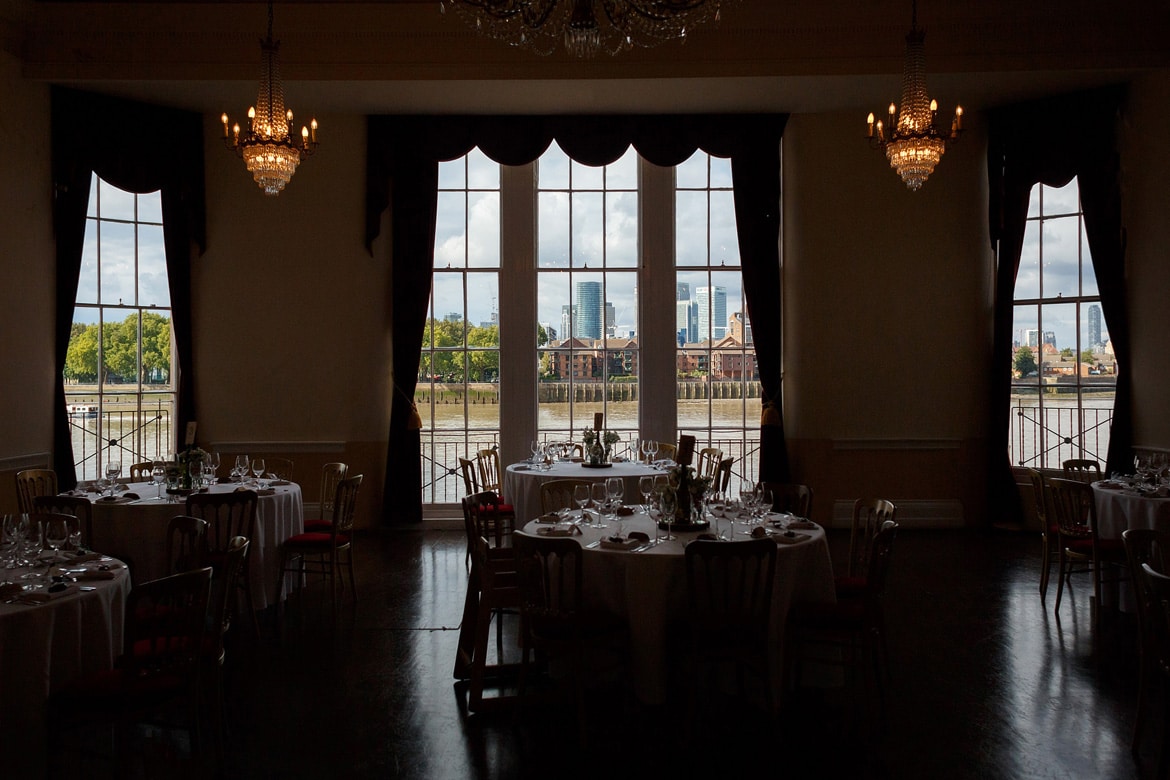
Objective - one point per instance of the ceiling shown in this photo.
(402, 56)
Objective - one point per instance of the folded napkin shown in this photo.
(125, 498)
(94, 574)
(557, 530)
(621, 543)
(640, 536)
(520, 467)
(550, 517)
(42, 596)
(279, 483)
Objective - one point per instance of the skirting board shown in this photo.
(912, 513)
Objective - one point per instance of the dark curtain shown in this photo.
(139, 148)
(402, 171)
(1023, 150)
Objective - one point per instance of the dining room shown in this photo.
(883, 316)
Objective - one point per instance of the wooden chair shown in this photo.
(1146, 546)
(1158, 584)
(490, 472)
(31, 483)
(326, 553)
(724, 478)
(1078, 541)
(558, 494)
(1083, 469)
(492, 591)
(470, 477)
(228, 515)
(331, 475)
(708, 464)
(219, 624)
(186, 543)
(554, 622)
(159, 665)
(1049, 531)
(869, 515)
(666, 452)
(140, 472)
(790, 497)
(851, 632)
(79, 507)
(729, 598)
(283, 468)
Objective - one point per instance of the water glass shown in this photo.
(597, 493)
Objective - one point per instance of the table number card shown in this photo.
(190, 440)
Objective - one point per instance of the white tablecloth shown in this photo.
(45, 646)
(138, 530)
(649, 589)
(1119, 508)
(522, 484)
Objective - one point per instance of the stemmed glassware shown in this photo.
(241, 467)
(15, 528)
(535, 447)
(258, 469)
(646, 488)
(211, 467)
(597, 493)
(158, 475)
(113, 471)
(196, 469)
(716, 505)
(666, 506)
(581, 497)
(615, 491)
(56, 535)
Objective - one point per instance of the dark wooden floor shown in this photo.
(985, 683)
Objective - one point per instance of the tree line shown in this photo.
(119, 350)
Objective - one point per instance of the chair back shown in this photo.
(1158, 585)
(1083, 469)
(227, 514)
(724, 477)
(869, 515)
(878, 570)
(1041, 499)
(790, 497)
(225, 590)
(282, 468)
(140, 472)
(558, 493)
(482, 517)
(708, 463)
(165, 621)
(666, 451)
(550, 575)
(331, 474)
(344, 506)
(186, 543)
(729, 586)
(78, 506)
(489, 470)
(31, 483)
(470, 477)
(1073, 507)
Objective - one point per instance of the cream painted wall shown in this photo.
(1146, 208)
(26, 274)
(887, 315)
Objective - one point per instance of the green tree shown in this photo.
(1066, 353)
(81, 359)
(1088, 358)
(483, 364)
(541, 335)
(1025, 362)
(156, 347)
(120, 349)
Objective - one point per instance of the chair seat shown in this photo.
(315, 539)
(1110, 547)
(319, 526)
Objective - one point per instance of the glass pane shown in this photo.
(150, 207)
(483, 291)
(552, 305)
(1034, 202)
(87, 282)
(724, 241)
(448, 306)
(552, 170)
(1062, 200)
(553, 230)
(621, 296)
(91, 209)
(1028, 275)
(119, 347)
(484, 230)
(152, 268)
(588, 230)
(690, 231)
(81, 360)
(116, 252)
(587, 177)
(450, 230)
(1096, 334)
(712, 312)
(588, 306)
(692, 173)
(156, 347)
(621, 230)
(623, 173)
(721, 173)
(1058, 323)
(483, 173)
(730, 302)
(1061, 260)
(1088, 275)
(1025, 345)
(452, 175)
(115, 203)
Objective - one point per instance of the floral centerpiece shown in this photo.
(598, 445)
(185, 459)
(689, 489)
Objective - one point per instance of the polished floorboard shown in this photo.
(984, 682)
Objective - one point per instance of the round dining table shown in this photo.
(648, 588)
(48, 639)
(1121, 506)
(522, 482)
(137, 529)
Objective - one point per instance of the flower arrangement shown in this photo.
(689, 489)
(185, 459)
(598, 445)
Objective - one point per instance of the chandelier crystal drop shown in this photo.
(912, 141)
(585, 27)
(270, 152)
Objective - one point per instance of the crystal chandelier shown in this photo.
(585, 27)
(270, 153)
(914, 144)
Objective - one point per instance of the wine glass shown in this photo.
(652, 450)
(646, 488)
(258, 469)
(15, 527)
(615, 490)
(113, 470)
(241, 469)
(56, 535)
(195, 467)
(581, 497)
(716, 506)
(666, 506)
(534, 445)
(597, 493)
(212, 467)
(158, 475)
